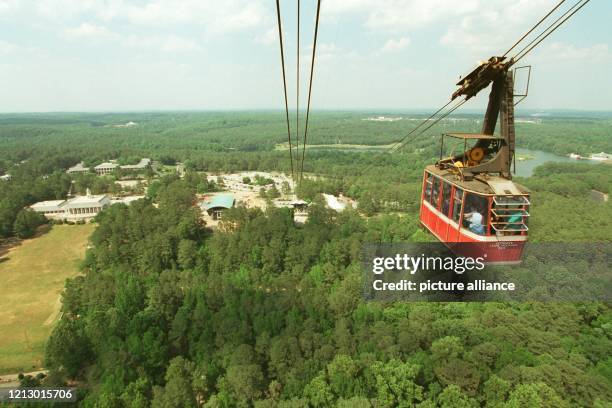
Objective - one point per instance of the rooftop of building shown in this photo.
(218, 201)
(50, 204)
(299, 202)
(86, 200)
(78, 166)
(106, 165)
(126, 200)
(145, 162)
(333, 202)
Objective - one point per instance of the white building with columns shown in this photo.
(80, 208)
(106, 168)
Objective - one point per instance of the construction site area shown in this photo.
(258, 189)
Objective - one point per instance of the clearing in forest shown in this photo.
(33, 274)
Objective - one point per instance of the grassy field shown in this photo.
(33, 275)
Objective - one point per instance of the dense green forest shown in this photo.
(37, 148)
(184, 135)
(266, 313)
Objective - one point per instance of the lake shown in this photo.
(525, 168)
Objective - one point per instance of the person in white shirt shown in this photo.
(475, 219)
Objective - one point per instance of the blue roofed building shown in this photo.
(215, 205)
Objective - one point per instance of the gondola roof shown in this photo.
(481, 184)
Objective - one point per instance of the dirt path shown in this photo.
(57, 308)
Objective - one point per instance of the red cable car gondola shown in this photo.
(471, 198)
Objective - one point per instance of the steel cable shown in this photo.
(280, 36)
(314, 48)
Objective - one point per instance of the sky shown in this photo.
(137, 55)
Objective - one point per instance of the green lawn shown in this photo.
(33, 275)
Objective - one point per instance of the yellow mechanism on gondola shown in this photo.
(476, 154)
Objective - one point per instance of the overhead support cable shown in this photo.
(314, 49)
(454, 108)
(400, 143)
(519, 55)
(553, 27)
(297, 93)
(395, 144)
(280, 36)
(534, 27)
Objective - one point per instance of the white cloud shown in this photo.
(401, 15)
(396, 45)
(335, 7)
(252, 15)
(8, 6)
(98, 33)
(216, 16)
(6, 47)
(66, 9)
(475, 25)
(325, 52)
(270, 37)
(167, 43)
(89, 31)
(326, 48)
(173, 43)
(494, 26)
(562, 51)
(352, 67)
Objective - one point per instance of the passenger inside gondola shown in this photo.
(475, 216)
(446, 198)
(515, 223)
(474, 220)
